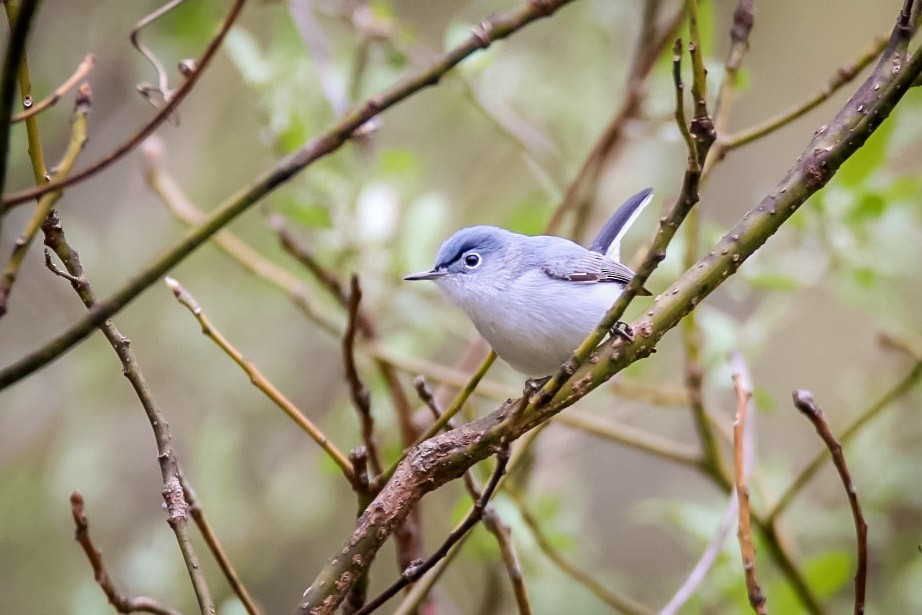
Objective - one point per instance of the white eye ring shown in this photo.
(472, 260)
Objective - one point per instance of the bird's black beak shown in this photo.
(425, 275)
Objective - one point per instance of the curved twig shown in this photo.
(12, 200)
(163, 81)
(803, 400)
(119, 601)
(89, 62)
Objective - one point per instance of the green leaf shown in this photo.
(247, 56)
(869, 207)
(398, 162)
(312, 216)
(528, 217)
(865, 276)
(773, 281)
(763, 399)
(825, 574)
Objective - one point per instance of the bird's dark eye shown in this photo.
(472, 260)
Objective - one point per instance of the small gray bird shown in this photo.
(535, 299)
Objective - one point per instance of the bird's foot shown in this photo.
(623, 330)
(533, 385)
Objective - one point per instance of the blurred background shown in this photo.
(497, 143)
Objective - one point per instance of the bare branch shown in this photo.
(706, 561)
(34, 109)
(177, 508)
(260, 381)
(361, 398)
(843, 75)
(803, 400)
(21, 247)
(638, 439)
(491, 519)
(119, 601)
(214, 545)
(901, 388)
(163, 85)
(747, 548)
(20, 18)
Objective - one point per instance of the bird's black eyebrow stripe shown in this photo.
(467, 245)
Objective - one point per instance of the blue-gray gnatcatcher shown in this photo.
(535, 299)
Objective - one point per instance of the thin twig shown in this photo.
(731, 515)
(901, 388)
(491, 518)
(214, 545)
(192, 77)
(35, 108)
(260, 381)
(843, 75)
(361, 398)
(163, 87)
(620, 603)
(747, 548)
(452, 410)
(501, 532)
(803, 400)
(36, 156)
(413, 573)
(119, 601)
(633, 437)
(177, 508)
(46, 203)
(305, 256)
(420, 590)
(364, 322)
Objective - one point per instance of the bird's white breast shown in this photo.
(536, 323)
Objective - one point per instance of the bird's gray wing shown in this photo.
(587, 267)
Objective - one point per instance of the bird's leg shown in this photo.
(533, 385)
(623, 330)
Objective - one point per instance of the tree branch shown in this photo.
(119, 601)
(747, 548)
(901, 388)
(803, 400)
(46, 203)
(35, 108)
(260, 382)
(15, 52)
(176, 505)
(413, 573)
